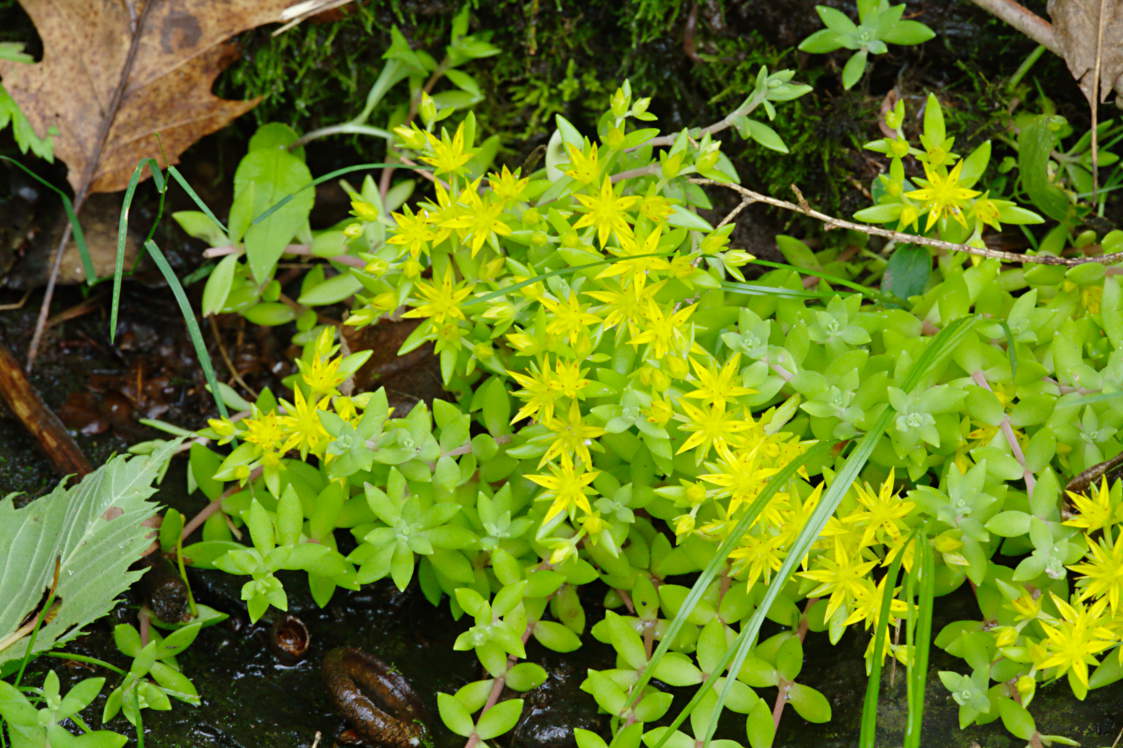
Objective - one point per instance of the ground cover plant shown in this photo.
(731, 454)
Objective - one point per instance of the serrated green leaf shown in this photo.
(93, 531)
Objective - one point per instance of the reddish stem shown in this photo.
(785, 685)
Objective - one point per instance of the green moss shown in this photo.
(558, 59)
(314, 74)
(566, 58)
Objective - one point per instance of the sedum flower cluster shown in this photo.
(620, 397)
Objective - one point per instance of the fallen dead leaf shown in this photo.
(123, 80)
(1090, 33)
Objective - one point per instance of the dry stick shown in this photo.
(87, 179)
(302, 11)
(215, 505)
(713, 129)
(303, 250)
(1095, 101)
(831, 222)
(1025, 21)
(1042, 32)
(38, 419)
(234, 373)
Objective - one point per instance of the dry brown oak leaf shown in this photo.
(165, 99)
(1090, 33)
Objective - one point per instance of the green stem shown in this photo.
(1025, 67)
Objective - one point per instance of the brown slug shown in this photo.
(377, 700)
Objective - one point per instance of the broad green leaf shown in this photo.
(1016, 719)
(264, 178)
(822, 41)
(934, 132)
(1009, 524)
(908, 271)
(199, 225)
(93, 533)
(332, 291)
(525, 676)
(687, 219)
(762, 134)
(555, 636)
(586, 739)
(908, 32)
(836, 20)
(270, 314)
(1035, 146)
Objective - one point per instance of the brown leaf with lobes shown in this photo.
(138, 77)
(1090, 33)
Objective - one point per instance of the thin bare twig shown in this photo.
(234, 373)
(297, 13)
(748, 196)
(39, 420)
(303, 250)
(87, 179)
(1024, 20)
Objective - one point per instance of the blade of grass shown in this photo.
(868, 736)
(755, 289)
(168, 428)
(202, 206)
(122, 229)
(330, 175)
(40, 616)
(939, 347)
(732, 660)
(921, 645)
(867, 291)
(742, 288)
(717, 561)
(189, 320)
(71, 216)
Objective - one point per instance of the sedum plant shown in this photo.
(624, 406)
(944, 197)
(879, 24)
